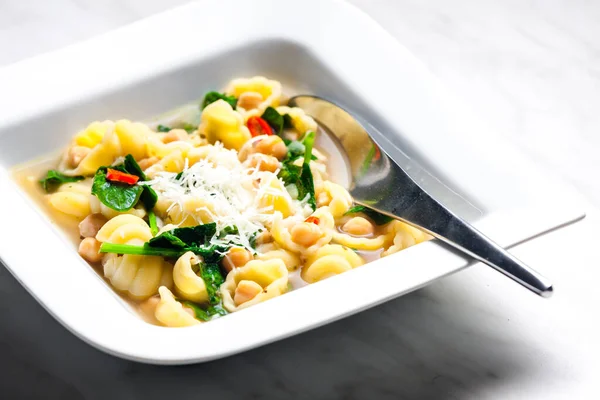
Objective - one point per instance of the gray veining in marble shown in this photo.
(530, 68)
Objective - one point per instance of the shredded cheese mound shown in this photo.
(230, 191)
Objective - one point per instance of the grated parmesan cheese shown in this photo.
(229, 190)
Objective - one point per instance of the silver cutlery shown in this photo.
(379, 183)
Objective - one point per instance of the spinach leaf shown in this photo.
(181, 238)
(252, 240)
(378, 218)
(211, 97)
(213, 278)
(143, 250)
(306, 178)
(152, 222)
(229, 230)
(296, 150)
(205, 313)
(149, 197)
(307, 187)
(178, 241)
(54, 179)
(289, 174)
(120, 196)
(212, 254)
(115, 195)
(301, 177)
(274, 119)
(195, 239)
(132, 167)
(189, 128)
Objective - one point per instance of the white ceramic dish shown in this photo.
(324, 47)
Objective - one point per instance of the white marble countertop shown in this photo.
(532, 69)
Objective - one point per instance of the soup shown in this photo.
(211, 209)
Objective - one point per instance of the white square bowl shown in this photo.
(325, 47)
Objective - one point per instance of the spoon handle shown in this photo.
(427, 214)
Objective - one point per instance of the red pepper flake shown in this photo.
(259, 126)
(114, 175)
(314, 220)
(377, 153)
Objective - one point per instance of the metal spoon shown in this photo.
(380, 184)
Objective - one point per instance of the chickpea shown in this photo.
(89, 249)
(245, 291)
(305, 234)
(273, 146)
(149, 306)
(358, 226)
(76, 154)
(249, 100)
(91, 224)
(174, 135)
(263, 162)
(236, 257)
(147, 162)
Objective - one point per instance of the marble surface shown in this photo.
(532, 69)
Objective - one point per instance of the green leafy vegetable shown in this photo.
(149, 197)
(295, 149)
(211, 97)
(308, 141)
(115, 195)
(120, 196)
(274, 119)
(54, 179)
(210, 253)
(205, 313)
(213, 278)
(132, 167)
(252, 240)
(301, 177)
(152, 222)
(290, 174)
(143, 250)
(189, 128)
(178, 241)
(306, 177)
(185, 237)
(195, 239)
(308, 186)
(378, 218)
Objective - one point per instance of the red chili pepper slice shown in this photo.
(259, 126)
(118, 176)
(377, 153)
(314, 220)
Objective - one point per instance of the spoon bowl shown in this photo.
(378, 182)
